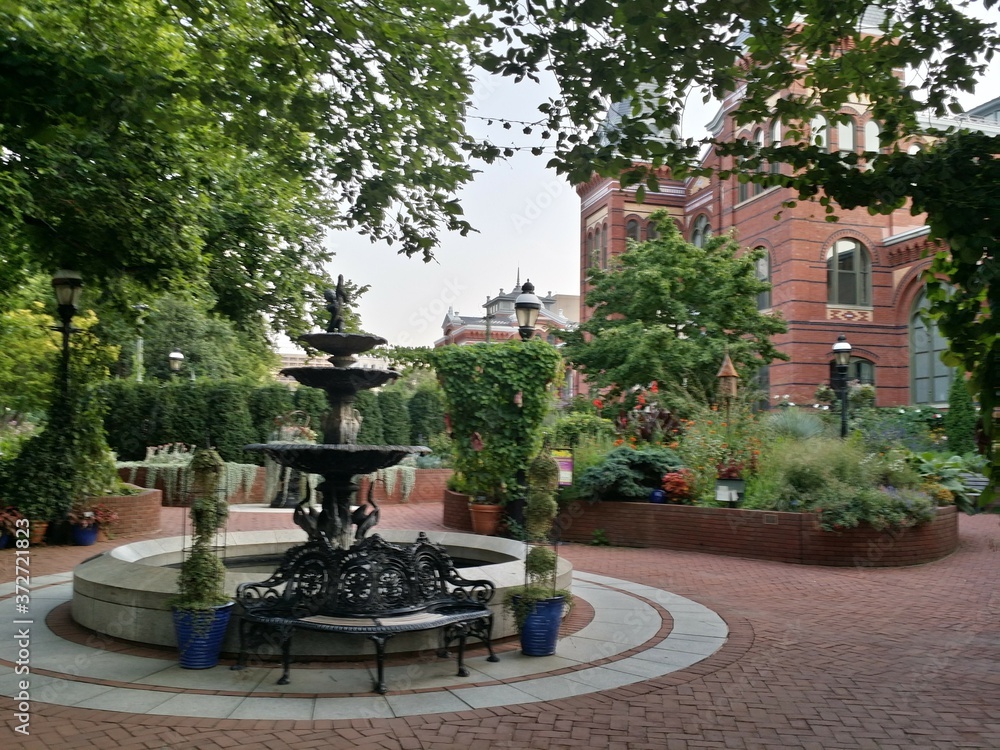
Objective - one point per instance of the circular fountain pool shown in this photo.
(125, 592)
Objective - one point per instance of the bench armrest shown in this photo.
(480, 591)
(268, 592)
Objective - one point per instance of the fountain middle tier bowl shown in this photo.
(345, 381)
(336, 459)
(342, 344)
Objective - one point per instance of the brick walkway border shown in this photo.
(817, 658)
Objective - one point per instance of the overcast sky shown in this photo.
(528, 220)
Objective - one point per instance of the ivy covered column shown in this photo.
(497, 397)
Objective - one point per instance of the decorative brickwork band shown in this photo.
(849, 315)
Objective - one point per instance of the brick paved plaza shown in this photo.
(815, 657)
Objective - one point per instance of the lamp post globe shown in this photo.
(842, 356)
(526, 308)
(176, 360)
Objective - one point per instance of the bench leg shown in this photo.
(241, 660)
(483, 630)
(286, 656)
(380, 639)
(462, 633)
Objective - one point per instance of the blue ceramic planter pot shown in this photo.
(658, 496)
(84, 536)
(200, 634)
(540, 631)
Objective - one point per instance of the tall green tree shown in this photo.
(669, 313)
(212, 346)
(151, 145)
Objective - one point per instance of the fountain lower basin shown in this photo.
(125, 592)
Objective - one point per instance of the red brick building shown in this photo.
(860, 276)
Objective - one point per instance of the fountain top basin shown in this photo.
(345, 459)
(341, 344)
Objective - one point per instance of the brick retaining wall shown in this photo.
(240, 497)
(764, 535)
(429, 487)
(456, 511)
(137, 514)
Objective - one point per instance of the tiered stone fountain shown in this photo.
(339, 459)
(126, 592)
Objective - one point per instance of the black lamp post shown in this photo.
(842, 356)
(526, 308)
(68, 286)
(176, 361)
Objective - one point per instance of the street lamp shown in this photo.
(526, 308)
(176, 361)
(842, 356)
(68, 286)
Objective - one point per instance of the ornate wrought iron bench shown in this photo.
(375, 589)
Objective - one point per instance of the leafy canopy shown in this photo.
(669, 312)
(153, 145)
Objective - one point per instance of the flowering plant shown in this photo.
(84, 517)
(678, 484)
(731, 467)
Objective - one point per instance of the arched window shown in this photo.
(651, 233)
(632, 229)
(775, 142)
(604, 248)
(591, 253)
(848, 274)
(764, 387)
(872, 132)
(758, 138)
(763, 271)
(742, 188)
(930, 378)
(845, 136)
(817, 130)
(701, 231)
(861, 370)
(596, 251)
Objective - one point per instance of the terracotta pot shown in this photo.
(38, 529)
(485, 518)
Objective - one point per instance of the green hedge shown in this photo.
(224, 414)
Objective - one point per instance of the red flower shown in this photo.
(655, 388)
(598, 403)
